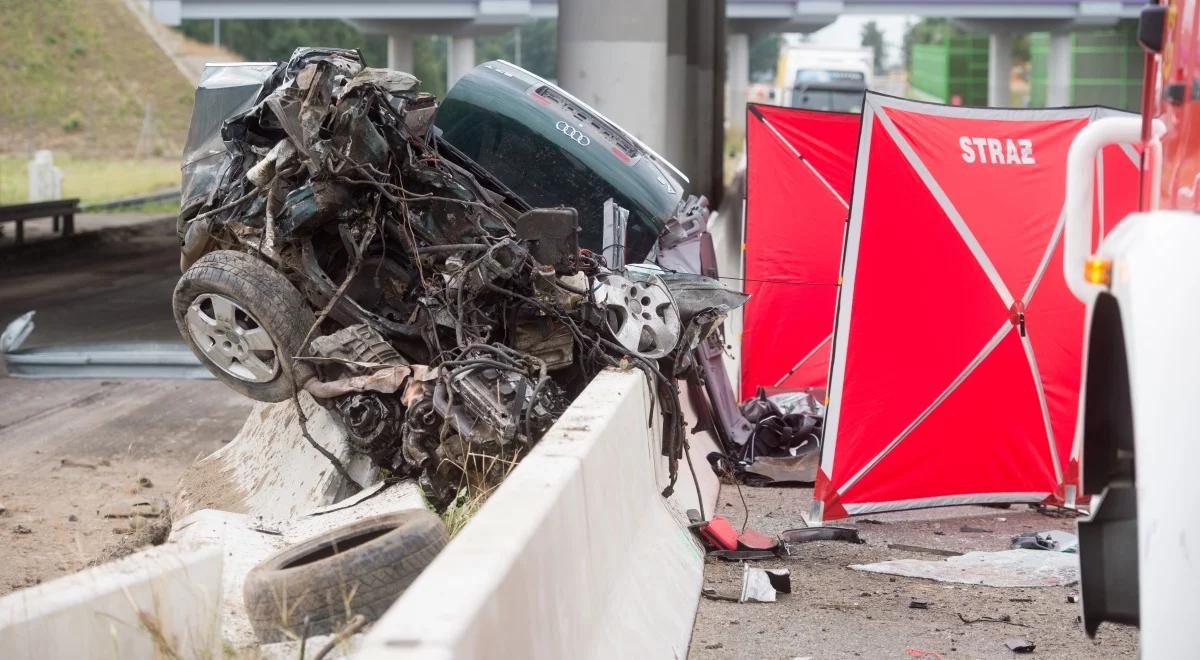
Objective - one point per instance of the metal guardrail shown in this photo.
(60, 211)
(100, 360)
(137, 200)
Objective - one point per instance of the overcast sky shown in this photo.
(847, 31)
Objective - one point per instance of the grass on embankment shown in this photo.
(92, 180)
(82, 78)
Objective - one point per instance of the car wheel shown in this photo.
(360, 568)
(244, 320)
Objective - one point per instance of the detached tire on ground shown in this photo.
(361, 568)
(244, 320)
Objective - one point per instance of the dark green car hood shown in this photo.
(553, 150)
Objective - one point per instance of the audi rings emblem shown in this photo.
(573, 133)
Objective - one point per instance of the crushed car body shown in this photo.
(446, 289)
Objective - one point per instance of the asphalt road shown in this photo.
(836, 612)
(71, 448)
(105, 286)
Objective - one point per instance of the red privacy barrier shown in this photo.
(957, 353)
(799, 169)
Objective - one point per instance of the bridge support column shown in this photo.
(400, 52)
(1058, 70)
(675, 145)
(738, 81)
(706, 101)
(460, 60)
(999, 69)
(613, 56)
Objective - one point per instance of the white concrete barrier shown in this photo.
(161, 602)
(576, 554)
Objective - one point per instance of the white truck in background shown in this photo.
(818, 77)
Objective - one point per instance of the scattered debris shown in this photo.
(1072, 598)
(967, 529)
(743, 555)
(135, 508)
(921, 653)
(144, 482)
(784, 446)
(154, 532)
(72, 518)
(22, 529)
(763, 584)
(1004, 618)
(1007, 568)
(751, 539)
(924, 550)
(1019, 645)
(715, 646)
(918, 605)
(1052, 511)
(441, 316)
(3, 510)
(718, 533)
(712, 593)
(67, 462)
(1056, 540)
(828, 533)
(759, 585)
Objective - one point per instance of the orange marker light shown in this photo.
(1098, 270)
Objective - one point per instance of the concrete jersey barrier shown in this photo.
(576, 554)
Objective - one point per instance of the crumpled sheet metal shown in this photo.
(1007, 568)
(225, 90)
(408, 379)
(410, 254)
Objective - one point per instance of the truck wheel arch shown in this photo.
(1108, 444)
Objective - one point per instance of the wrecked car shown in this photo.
(444, 280)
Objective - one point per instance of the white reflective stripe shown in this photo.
(944, 500)
(804, 160)
(804, 359)
(1132, 153)
(952, 213)
(1100, 194)
(983, 353)
(1041, 393)
(1045, 263)
(841, 328)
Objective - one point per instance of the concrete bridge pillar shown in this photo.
(460, 58)
(613, 56)
(675, 145)
(1058, 70)
(738, 80)
(999, 69)
(400, 51)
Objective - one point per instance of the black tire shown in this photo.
(267, 297)
(360, 568)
